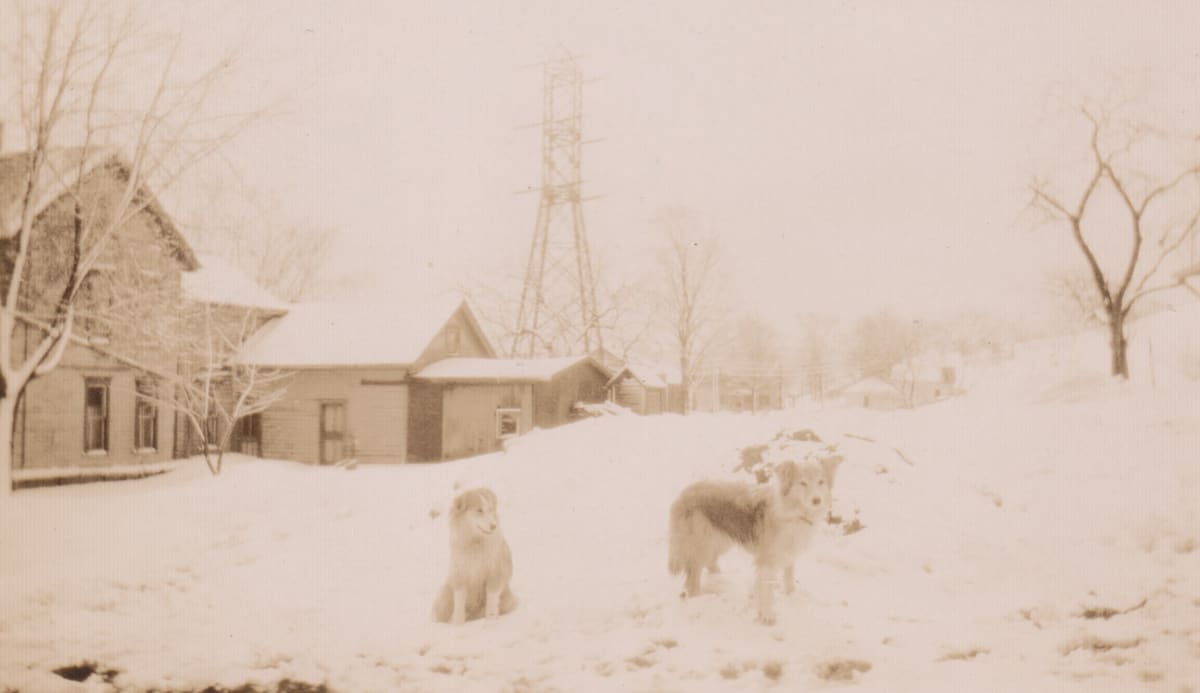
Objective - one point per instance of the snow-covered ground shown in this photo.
(1039, 537)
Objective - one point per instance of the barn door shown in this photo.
(333, 432)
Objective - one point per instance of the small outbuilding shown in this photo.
(453, 397)
(872, 393)
(636, 389)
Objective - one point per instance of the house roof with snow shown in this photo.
(459, 369)
(219, 282)
(329, 334)
(62, 169)
(870, 386)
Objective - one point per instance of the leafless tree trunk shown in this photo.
(70, 62)
(1138, 273)
(693, 284)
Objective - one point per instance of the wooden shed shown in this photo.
(634, 388)
(468, 406)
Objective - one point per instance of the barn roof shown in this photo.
(460, 369)
(62, 168)
(218, 281)
(326, 334)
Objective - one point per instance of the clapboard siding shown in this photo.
(469, 416)
(582, 382)
(49, 427)
(631, 394)
(378, 422)
(376, 414)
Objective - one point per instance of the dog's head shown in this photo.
(806, 487)
(475, 511)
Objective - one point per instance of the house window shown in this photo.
(453, 340)
(508, 423)
(95, 415)
(94, 306)
(145, 424)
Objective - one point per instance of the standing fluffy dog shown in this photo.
(773, 522)
(480, 562)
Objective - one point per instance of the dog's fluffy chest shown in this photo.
(478, 561)
(790, 537)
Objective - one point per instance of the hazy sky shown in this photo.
(852, 154)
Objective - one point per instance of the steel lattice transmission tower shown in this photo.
(558, 314)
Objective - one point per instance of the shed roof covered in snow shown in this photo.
(460, 369)
(218, 281)
(328, 334)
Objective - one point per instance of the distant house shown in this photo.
(101, 405)
(926, 383)
(636, 388)
(872, 393)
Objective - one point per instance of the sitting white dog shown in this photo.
(480, 562)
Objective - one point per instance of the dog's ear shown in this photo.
(786, 473)
(460, 503)
(829, 464)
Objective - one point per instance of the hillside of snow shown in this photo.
(1043, 537)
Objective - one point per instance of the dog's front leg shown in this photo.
(762, 585)
(492, 605)
(459, 615)
(789, 578)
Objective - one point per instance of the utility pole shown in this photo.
(558, 314)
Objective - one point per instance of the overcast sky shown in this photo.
(852, 154)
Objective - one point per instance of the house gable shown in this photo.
(460, 336)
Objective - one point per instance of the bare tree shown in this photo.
(881, 341)
(214, 392)
(1153, 239)
(816, 353)
(255, 231)
(79, 67)
(693, 288)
